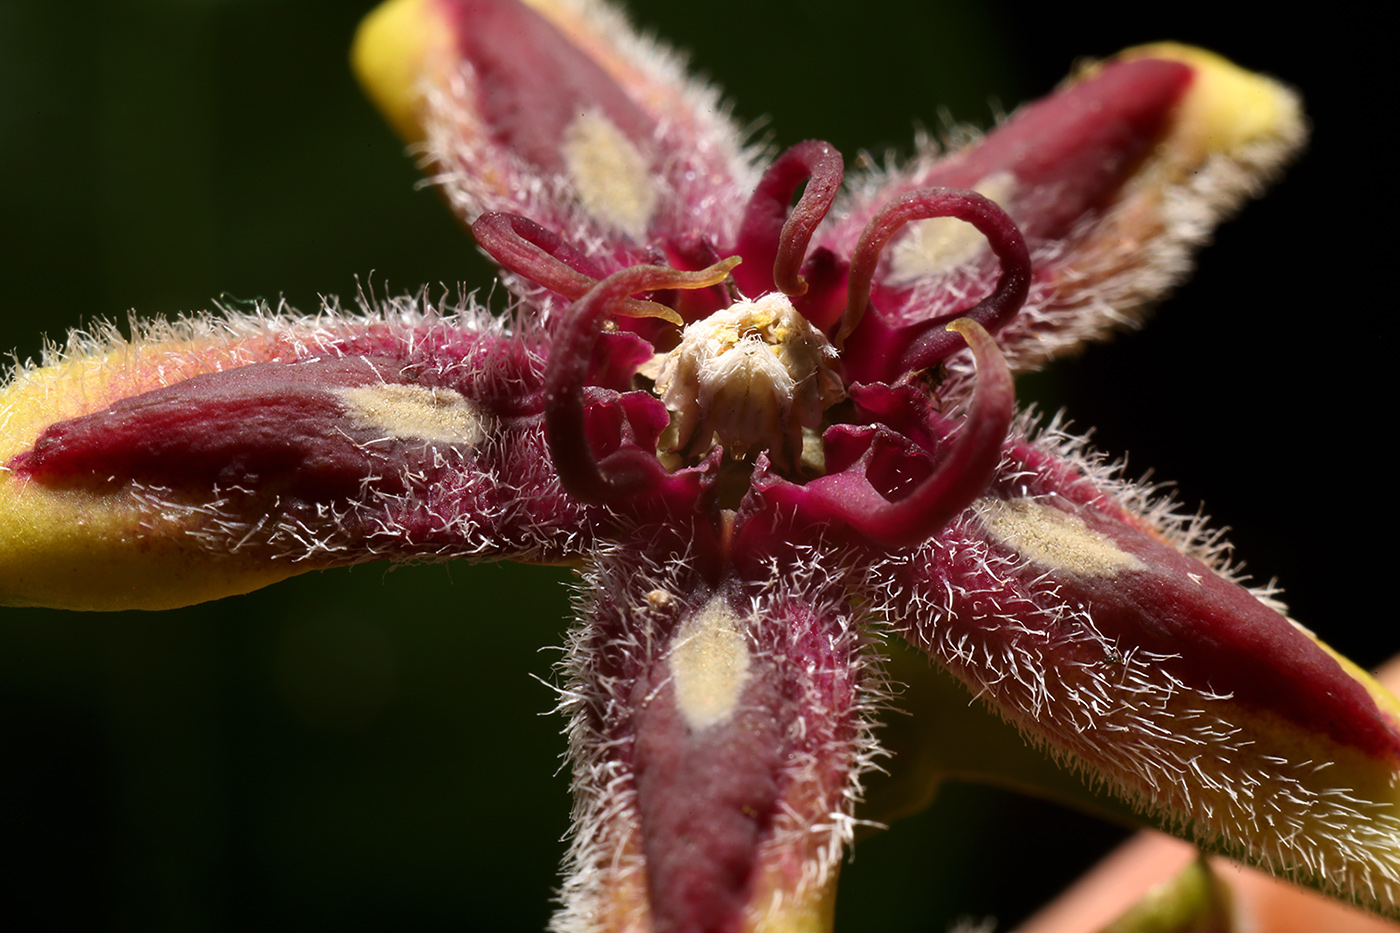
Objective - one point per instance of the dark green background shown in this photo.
(368, 750)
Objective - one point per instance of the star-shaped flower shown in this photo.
(772, 435)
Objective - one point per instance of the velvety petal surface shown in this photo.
(1114, 179)
(1110, 634)
(215, 456)
(558, 111)
(718, 730)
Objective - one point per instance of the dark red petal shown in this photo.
(1114, 179)
(1073, 150)
(560, 113)
(1084, 626)
(343, 444)
(718, 736)
(533, 82)
(275, 425)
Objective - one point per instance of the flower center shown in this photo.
(750, 377)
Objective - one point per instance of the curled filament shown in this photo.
(881, 349)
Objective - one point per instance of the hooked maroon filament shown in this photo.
(955, 483)
(773, 238)
(542, 256)
(629, 470)
(925, 343)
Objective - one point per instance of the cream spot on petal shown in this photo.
(409, 412)
(1054, 538)
(709, 663)
(611, 177)
(941, 244)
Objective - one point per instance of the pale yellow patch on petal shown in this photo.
(438, 416)
(941, 244)
(609, 174)
(709, 664)
(1054, 538)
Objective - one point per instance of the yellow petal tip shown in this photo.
(803, 908)
(75, 550)
(388, 58)
(1228, 108)
(87, 546)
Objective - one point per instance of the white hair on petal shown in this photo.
(470, 167)
(1111, 287)
(1153, 504)
(523, 516)
(1119, 717)
(820, 570)
(650, 585)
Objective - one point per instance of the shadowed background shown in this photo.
(367, 749)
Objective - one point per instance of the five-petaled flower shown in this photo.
(773, 435)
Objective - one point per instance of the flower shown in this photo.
(721, 595)
(1154, 882)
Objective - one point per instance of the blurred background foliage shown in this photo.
(370, 749)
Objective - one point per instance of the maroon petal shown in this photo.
(718, 730)
(1108, 636)
(267, 446)
(1113, 180)
(558, 114)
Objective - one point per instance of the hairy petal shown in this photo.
(219, 455)
(718, 731)
(556, 110)
(1113, 180)
(1135, 661)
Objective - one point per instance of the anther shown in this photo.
(750, 377)
(629, 470)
